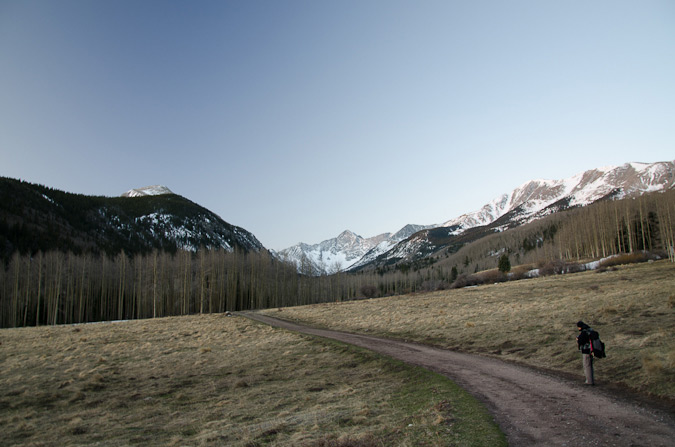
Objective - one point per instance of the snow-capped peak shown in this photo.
(345, 250)
(535, 196)
(154, 190)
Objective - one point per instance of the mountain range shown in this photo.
(528, 202)
(35, 217)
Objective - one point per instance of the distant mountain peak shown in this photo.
(154, 190)
(345, 250)
(348, 234)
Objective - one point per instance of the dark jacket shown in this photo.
(584, 339)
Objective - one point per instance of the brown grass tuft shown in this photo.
(367, 440)
(656, 365)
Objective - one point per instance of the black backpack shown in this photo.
(597, 346)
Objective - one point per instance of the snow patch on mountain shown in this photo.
(154, 190)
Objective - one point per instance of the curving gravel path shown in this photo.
(531, 407)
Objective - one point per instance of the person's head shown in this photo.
(581, 325)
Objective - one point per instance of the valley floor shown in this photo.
(532, 408)
(213, 380)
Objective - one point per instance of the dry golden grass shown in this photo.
(534, 322)
(212, 380)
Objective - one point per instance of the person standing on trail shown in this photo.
(584, 345)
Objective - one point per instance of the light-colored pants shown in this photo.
(588, 368)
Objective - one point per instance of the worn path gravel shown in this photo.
(532, 408)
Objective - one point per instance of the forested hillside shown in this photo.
(37, 218)
(54, 287)
(605, 228)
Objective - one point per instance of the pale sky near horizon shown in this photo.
(297, 120)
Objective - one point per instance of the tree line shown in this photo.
(64, 288)
(55, 287)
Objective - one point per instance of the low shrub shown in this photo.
(558, 267)
(433, 285)
(492, 276)
(551, 267)
(574, 267)
(368, 291)
(629, 258)
(520, 272)
(463, 280)
(487, 277)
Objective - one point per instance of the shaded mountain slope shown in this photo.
(34, 217)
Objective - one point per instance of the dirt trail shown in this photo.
(531, 408)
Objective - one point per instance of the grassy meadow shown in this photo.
(534, 322)
(213, 380)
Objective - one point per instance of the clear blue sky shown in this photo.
(299, 119)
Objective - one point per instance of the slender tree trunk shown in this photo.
(39, 290)
(122, 259)
(29, 280)
(154, 284)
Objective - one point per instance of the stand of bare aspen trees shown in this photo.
(624, 226)
(62, 288)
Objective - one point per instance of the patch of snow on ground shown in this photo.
(49, 199)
